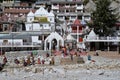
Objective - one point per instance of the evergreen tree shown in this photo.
(104, 18)
(1, 0)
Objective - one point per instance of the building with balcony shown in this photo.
(68, 9)
(42, 3)
(65, 9)
(38, 26)
(108, 43)
(77, 30)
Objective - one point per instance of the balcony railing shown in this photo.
(19, 44)
(102, 39)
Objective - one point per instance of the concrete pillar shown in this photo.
(118, 47)
(108, 47)
(45, 46)
(58, 44)
(50, 45)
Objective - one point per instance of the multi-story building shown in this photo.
(42, 3)
(14, 15)
(38, 25)
(42, 22)
(69, 9)
(65, 9)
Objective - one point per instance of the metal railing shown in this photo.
(111, 39)
(19, 44)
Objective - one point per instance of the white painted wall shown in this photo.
(37, 26)
(41, 12)
(35, 40)
(10, 41)
(30, 19)
(51, 19)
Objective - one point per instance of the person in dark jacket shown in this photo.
(1, 66)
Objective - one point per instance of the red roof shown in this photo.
(77, 22)
(26, 11)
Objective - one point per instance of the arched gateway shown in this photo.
(53, 41)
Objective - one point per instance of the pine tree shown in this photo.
(104, 18)
(1, 0)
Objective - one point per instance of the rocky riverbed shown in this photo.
(100, 68)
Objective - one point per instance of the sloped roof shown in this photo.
(54, 35)
(30, 13)
(77, 21)
(92, 35)
(17, 11)
(50, 14)
(69, 37)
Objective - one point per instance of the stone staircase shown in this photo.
(76, 60)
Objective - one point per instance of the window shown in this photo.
(67, 4)
(55, 4)
(73, 17)
(5, 41)
(61, 5)
(78, 4)
(86, 17)
(24, 40)
(50, 19)
(5, 28)
(61, 11)
(67, 11)
(80, 17)
(79, 10)
(60, 17)
(45, 37)
(30, 19)
(41, 25)
(40, 37)
(30, 27)
(55, 11)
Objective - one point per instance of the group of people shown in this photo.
(30, 60)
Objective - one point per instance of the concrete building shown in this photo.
(38, 26)
(69, 9)
(65, 9)
(39, 30)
